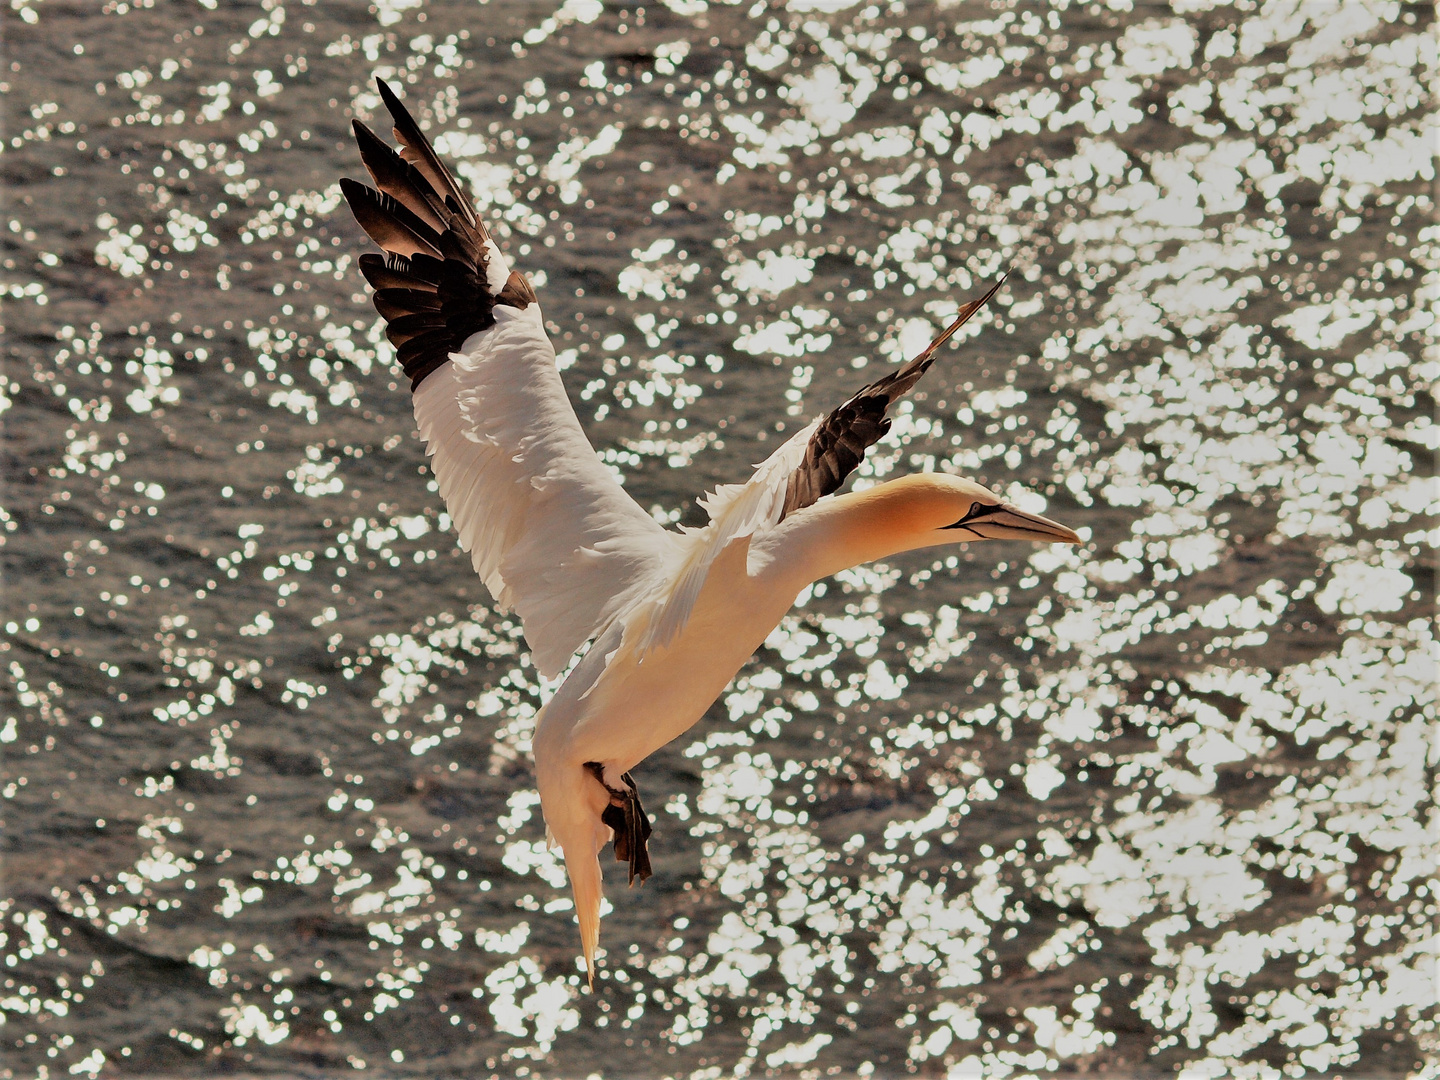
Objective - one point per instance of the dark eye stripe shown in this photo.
(975, 513)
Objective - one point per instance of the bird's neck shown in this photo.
(850, 530)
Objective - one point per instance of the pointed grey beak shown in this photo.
(1005, 522)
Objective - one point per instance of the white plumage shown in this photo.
(548, 529)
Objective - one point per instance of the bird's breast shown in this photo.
(641, 703)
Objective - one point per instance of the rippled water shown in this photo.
(1159, 804)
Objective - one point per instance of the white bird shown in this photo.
(670, 616)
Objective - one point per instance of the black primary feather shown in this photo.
(399, 179)
(383, 276)
(432, 285)
(393, 303)
(840, 442)
(416, 149)
(388, 223)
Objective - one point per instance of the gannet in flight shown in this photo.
(671, 616)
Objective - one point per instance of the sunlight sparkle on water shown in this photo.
(1159, 802)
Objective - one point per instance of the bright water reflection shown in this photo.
(1162, 803)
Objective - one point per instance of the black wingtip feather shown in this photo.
(395, 303)
(388, 223)
(380, 276)
(418, 151)
(418, 371)
(404, 327)
(840, 442)
(399, 179)
(421, 348)
(432, 285)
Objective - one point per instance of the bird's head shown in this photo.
(934, 508)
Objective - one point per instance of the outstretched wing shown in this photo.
(840, 440)
(810, 464)
(549, 530)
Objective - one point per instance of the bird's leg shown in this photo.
(626, 818)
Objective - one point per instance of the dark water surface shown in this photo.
(1161, 804)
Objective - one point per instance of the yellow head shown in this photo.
(933, 508)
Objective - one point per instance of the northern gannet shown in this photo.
(670, 616)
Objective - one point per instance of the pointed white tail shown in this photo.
(582, 863)
(573, 800)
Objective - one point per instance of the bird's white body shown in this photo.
(670, 616)
(618, 707)
(619, 704)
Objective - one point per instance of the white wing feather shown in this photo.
(735, 510)
(549, 531)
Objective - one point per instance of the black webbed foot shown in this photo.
(626, 818)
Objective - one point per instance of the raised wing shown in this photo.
(810, 464)
(840, 440)
(442, 275)
(549, 530)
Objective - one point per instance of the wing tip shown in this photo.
(366, 139)
(831, 431)
(387, 95)
(356, 193)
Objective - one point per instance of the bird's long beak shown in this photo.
(1006, 522)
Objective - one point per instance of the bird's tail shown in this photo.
(573, 801)
(582, 863)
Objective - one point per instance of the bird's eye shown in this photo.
(976, 512)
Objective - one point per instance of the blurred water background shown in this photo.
(1160, 804)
